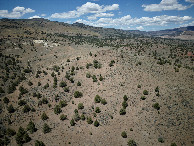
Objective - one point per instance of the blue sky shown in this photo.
(123, 14)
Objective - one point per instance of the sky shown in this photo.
(144, 15)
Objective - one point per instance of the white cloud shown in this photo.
(191, 1)
(43, 15)
(35, 16)
(86, 9)
(127, 21)
(17, 12)
(166, 5)
(94, 17)
(140, 28)
(188, 24)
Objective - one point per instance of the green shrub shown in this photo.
(23, 90)
(97, 110)
(1, 90)
(173, 144)
(89, 120)
(44, 116)
(124, 104)
(125, 98)
(156, 106)
(122, 111)
(78, 94)
(138, 86)
(22, 136)
(88, 75)
(157, 89)
(46, 128)
(63, 103)
(79, 83)
(22, 102)
(145, 92)
(112, 63)
(143, 97)
(80, 106)
(57, 109)
(97, 99)
(103, 101)
(11, 109)
(83, 117)
(72, 122)
(160, 139)
(30, 83)
(63, 117)
(62, 84)
(101, 78)
(10, 132)
(66, 89)
(6, 100)
(96, 123)
(77, 117)
(131, 143)
(94, 78)
(31, 127)
(124, 134)
(39, 143)
(46, 86)
(26, 108)
(44, 100)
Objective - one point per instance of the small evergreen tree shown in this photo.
(31, 127)
(46, 128)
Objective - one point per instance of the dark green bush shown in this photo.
(6, 100)
(125, 98)
(63, 117)
(72, 122)
(62, 84)
(103, 101)
(89, 120)
(44, 116)
(46, 128)
(97, 99)
(63, 103)
(78, 94)
(160, 139)
(145, 92)
(96, 123)
(31, 127)
(11, 109)
(94, 78)
(124, 134)
(23, 90)
(122, 111)
(97, 110)
(124, 104)
(83, 117)
(173, 144)
(22, 136)
(26, 108)
(131, 143)
(80, 106)
(79, 83)
(57, 109)
(10, 132)
(39, 143)
(143, 97)
(156, 106)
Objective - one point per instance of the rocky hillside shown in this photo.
(65, 84)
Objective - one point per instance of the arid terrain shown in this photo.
(64, 84)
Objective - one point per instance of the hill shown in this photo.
(72, 84)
